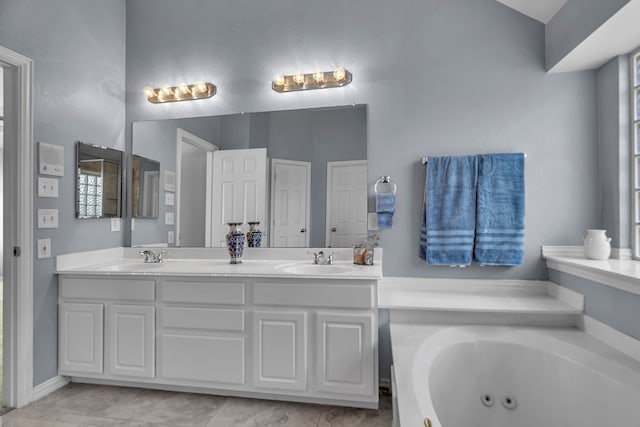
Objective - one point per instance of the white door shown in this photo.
(131, 343)
(345, 353)
(81, 339)
(238, 194)
(346, 203)
(191, 188)
(290, 203)
(280, 350)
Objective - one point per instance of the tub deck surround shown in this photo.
(256, 262)
(275, 327)
(526, 302)
(417, 347)
(623, 274)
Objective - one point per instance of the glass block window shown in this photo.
(90, 195)
(635, 144)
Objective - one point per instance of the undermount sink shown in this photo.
(315, 269)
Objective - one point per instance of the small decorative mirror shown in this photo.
(98, 181)
(145, 190)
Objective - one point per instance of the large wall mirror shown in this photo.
(98, 181)
(301, 173)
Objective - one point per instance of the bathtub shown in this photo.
(499, 376)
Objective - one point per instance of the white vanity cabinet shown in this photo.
(107, 327)
(288, 338)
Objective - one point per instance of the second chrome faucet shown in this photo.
(321, 258)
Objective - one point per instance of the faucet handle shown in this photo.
(317, 256)
(330, 257)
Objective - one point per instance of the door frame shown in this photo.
(191, 139)
(18, 232)
(273, 198)
(330, 167)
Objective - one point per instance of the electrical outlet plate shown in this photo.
(47, 218)
(115, 224)
(44, 248)
(169, 199)
(47, 187)
(168, 218)
(372, 222)
(170, 237)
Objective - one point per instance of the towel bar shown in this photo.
(425, 160)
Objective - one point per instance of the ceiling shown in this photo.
(541, 10)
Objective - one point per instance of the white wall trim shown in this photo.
(562, 251)
(621, 253)
(566, 295)
(18, 226)
(602, 276)
(49, 386)
(616, 339)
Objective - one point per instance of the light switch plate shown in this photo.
(168, 218)
(47, 218)
(115, 224)
(169, 199)
(372, 222)
(47, 187)
(44, 248)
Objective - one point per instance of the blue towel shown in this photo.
(385, 207)
(450, 210)
(500, 220)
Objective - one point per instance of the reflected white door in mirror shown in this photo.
(290, 203)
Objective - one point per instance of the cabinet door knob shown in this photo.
(333, 229)
(302, 230)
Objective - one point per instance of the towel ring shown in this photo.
(385, 180)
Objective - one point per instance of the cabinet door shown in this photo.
(80, 345)
(131, 344)
(280, 350)
(346, 353)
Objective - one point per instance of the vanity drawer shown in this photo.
(202, 292)
(338, 295)
(107, 289)
(211, 319)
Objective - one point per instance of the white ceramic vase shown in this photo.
(597, 245)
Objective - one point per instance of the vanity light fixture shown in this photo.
(182, 92)
(316, 80)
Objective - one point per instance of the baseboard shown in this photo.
(49, 386)
(616, 339)
(385, 383)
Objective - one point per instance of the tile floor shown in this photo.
(93, 405)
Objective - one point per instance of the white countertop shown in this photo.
(126, 262)
(621, 274)
(480, 296)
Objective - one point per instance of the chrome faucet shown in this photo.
(321, 258)
(150, 257)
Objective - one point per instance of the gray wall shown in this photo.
(613, 307)
(573, 23)
(78, 48)
(613, 151)
(439, 77)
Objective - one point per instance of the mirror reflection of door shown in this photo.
(191, 188)
(238, 193)
(290, 203)
(346, 203)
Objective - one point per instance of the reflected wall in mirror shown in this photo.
(98, 181)
(312, 190)
(145, 187)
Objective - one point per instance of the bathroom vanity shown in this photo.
(271, 328)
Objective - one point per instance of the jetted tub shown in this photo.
(495, 376)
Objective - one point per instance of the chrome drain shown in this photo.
(509, 402)
(487, 400)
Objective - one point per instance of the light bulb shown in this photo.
(279, 80)
(201, 87)
(298, 78)
(339, 74)
(318, 76)
(166, 90)
(183, 89)
(150, 92)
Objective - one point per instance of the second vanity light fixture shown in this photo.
(316, 80)
(182, 92)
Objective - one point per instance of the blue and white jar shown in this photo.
(235, 242)
(254, 235)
